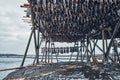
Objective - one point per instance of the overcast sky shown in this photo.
(14, 32)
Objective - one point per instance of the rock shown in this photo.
(67, 71)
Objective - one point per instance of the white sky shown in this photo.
(14, 32)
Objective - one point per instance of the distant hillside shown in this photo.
(14, 56)
(10, 55)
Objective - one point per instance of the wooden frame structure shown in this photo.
(82, 22)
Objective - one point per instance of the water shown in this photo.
(9, 62)
(6, 63)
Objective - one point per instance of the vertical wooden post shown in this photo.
(103, 43)
(77, 45)
(48, 52)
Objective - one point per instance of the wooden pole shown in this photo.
(27, 48)
(103, 44)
